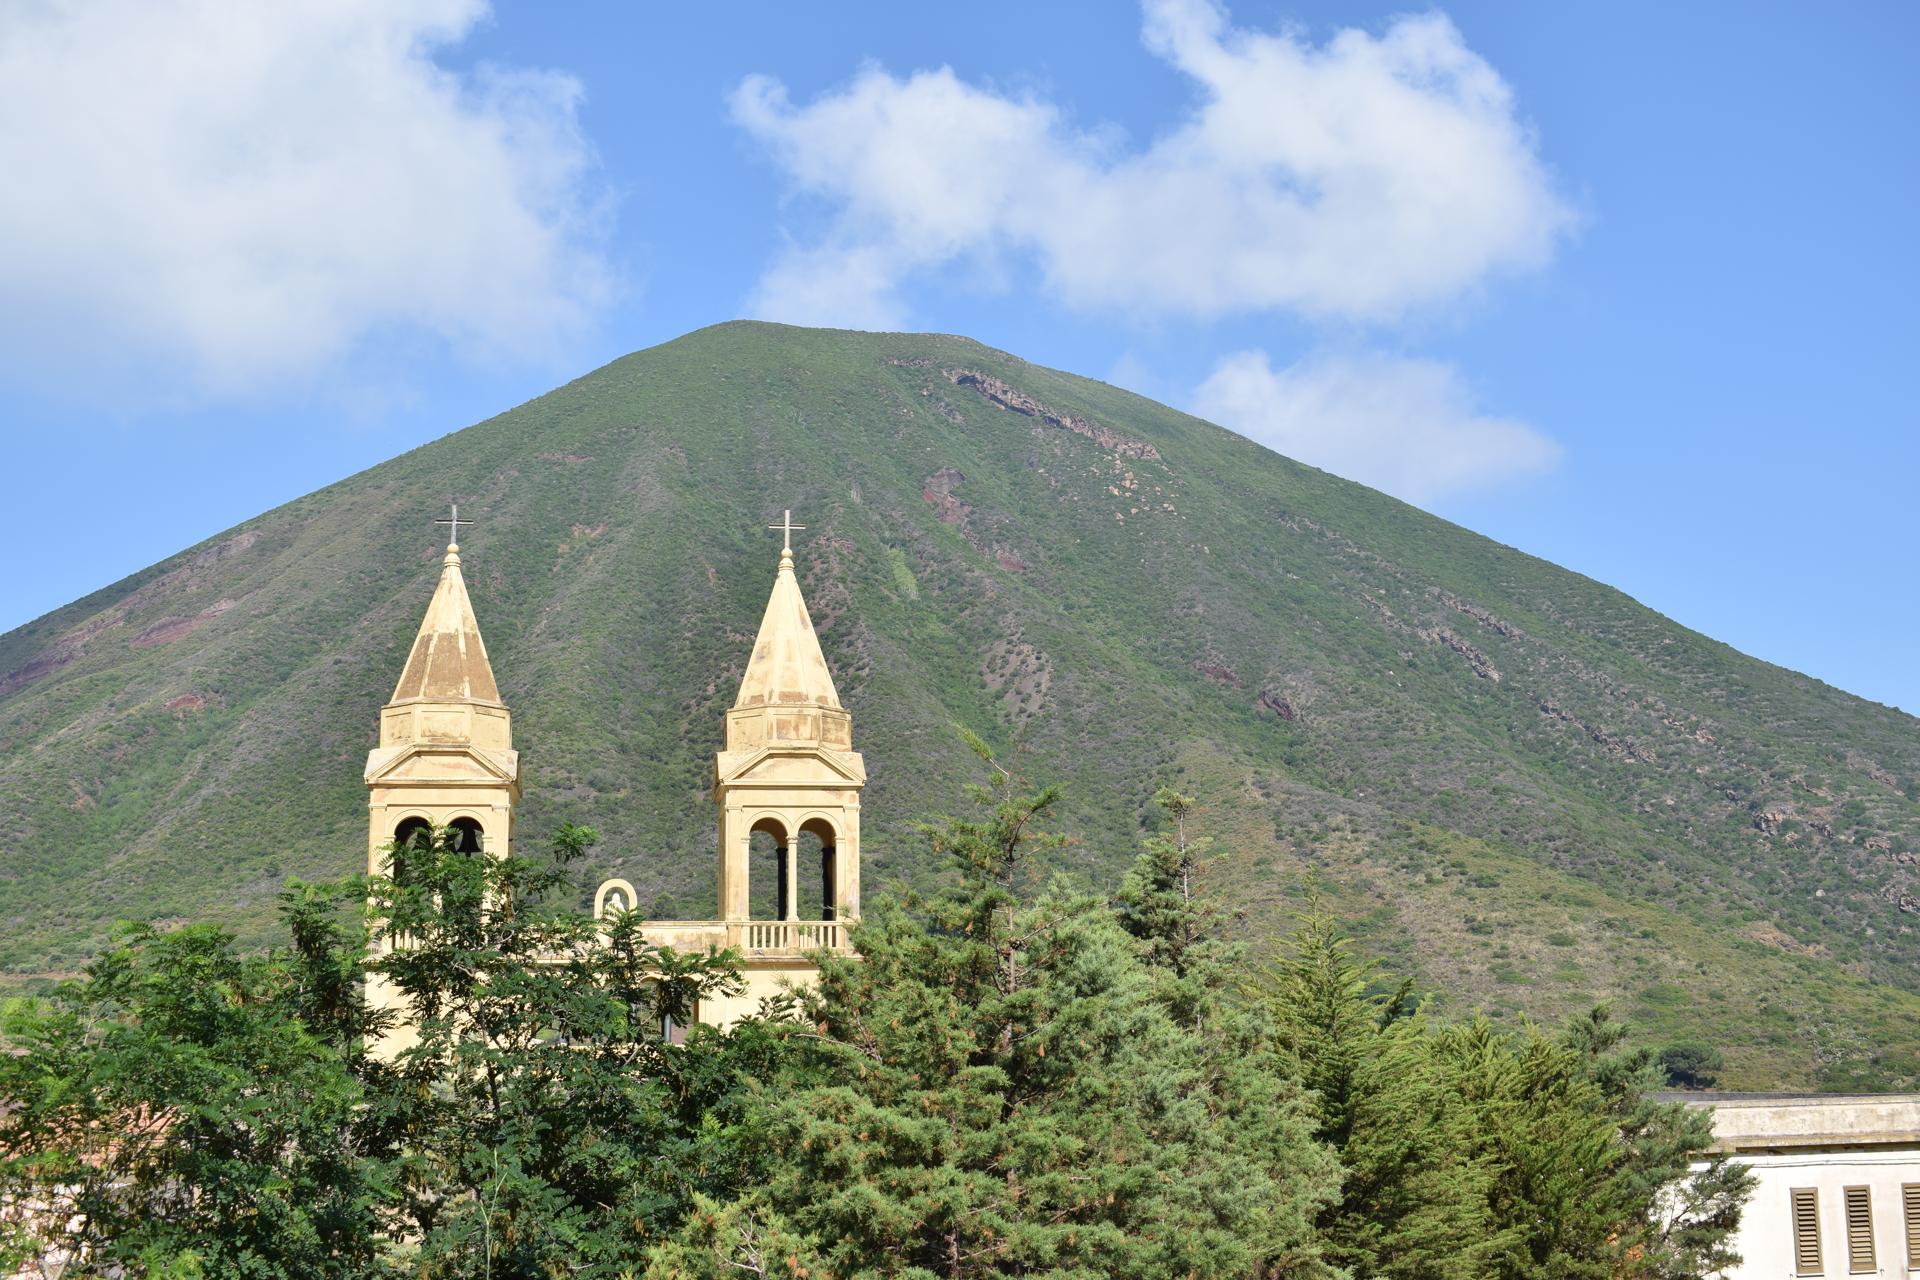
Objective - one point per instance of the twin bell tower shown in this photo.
(788, 774)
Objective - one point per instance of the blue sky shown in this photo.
(1628, 287)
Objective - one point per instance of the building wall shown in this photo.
(1765, 1241)
(764, 980)
(1826, 1142)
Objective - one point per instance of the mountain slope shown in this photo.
(1520, 783)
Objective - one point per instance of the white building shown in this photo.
(1838, 1182)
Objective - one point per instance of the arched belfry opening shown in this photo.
(769, 870)
(817, 851)
(411, 835)
(465, 836)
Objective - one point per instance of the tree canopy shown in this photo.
(1012, 1076)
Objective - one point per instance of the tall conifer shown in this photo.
(1413, 1200)
(1000, 1088)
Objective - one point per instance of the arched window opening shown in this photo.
(412, 835)
(464, 836)
(767, 871)
(413, 831)
(818, 869)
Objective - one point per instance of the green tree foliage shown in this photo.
(186, 1109)
(189, 1110)
(1160, 904)
(1679, 1224)
(1414, 1201)
(1012, 1078)
(1000, 1087)
(1690, 1064)
(542, 1124)
(1260, 1117)
(1474, 1152)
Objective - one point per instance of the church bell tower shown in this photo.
(789, 768)
(446, 756)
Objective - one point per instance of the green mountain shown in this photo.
(1522, 786)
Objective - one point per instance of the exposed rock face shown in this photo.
(1479, 615)
(44, 665)
(944, 481)
(1481, 664)
(1219, 673)
(1872, 769)
(938, 491)
(1772, 935)
(1012, 398)
(62, 651)
(1278, 705)
(169, 629)
(1621, 747)
(182, 577)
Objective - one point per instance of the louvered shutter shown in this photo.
(1859, 1229)
(1806, 1231)
(1910, 1214)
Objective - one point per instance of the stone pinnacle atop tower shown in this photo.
(787, 667)
(449, 660)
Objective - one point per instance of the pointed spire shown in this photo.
(449, 661)
(787, 667)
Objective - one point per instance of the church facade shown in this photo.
(787, 771)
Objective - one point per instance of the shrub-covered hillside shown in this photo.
(1516, 782)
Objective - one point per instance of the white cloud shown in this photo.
(237, 193)
(1354, 179)
(1409, 427)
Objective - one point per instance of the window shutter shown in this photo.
(1859, 1229)
(1910, 1211)
(1806, 1231)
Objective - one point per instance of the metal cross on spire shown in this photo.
(787, 529)
(453, 523)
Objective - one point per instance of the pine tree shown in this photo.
(1552, 1151)
(1413, 1202)
(1260, 1121)
(997, 1088)
(1469, 1151)
(1160, 903)
(1591, 1175)
(1681, 1219)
